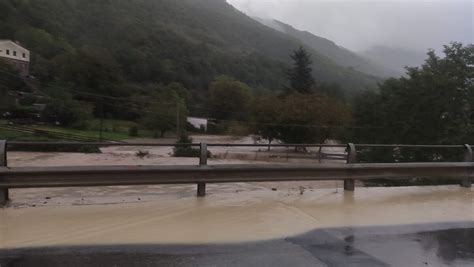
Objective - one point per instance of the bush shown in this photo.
(187, 151)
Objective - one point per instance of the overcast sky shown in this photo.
(358, 24)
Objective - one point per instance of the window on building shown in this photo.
(24, 55)
(14, 53)
(8, 52)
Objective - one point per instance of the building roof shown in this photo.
(16, 43)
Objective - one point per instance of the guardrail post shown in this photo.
(468, 157)
(3, 163)
(201, 187)
(349, 184)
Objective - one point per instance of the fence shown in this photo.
(34, 177)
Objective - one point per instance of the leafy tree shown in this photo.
(332, 90)
(312, 119)
(300, 75)
(229, 99)
(10, 79)
(9, 82)
(434, 104)
(63, 109)
(163, 108)
(267, 114)
(299, 118)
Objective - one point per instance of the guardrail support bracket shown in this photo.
(201, 187)
(201, 190)
(349, 184)
(468, 157)
(3, 196)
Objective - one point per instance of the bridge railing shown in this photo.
(34, 177)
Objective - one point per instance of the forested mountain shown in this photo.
(94, 44)
(395, 58)
(328, 48)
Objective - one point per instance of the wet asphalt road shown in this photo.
(447, 244)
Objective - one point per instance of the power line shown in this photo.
(300, 125)
(135, 109)
(128, 100)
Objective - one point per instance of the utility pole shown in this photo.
(177, 119)
(101, 123)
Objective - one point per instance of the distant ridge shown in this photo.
(340, 55)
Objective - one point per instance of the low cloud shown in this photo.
(357, 25)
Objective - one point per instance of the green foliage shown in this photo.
(299, 118)
(133, 131)
(6, 101)
(434, 104)
(312, 119)
(229, 99)
(300, 75)
(9, 82)
(186, 151)
(63, 109)
(267, 113)
(160, 115)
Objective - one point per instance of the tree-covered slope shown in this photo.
(142, 41)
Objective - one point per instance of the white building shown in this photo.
(198, 123)
(16, 55)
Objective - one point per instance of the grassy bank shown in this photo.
(111, 130)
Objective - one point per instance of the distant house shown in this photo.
(198, 123)
(16, 55)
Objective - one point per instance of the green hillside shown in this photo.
(133, 42)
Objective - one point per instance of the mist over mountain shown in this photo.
(359, 25)
(395, 58)
(340, 55)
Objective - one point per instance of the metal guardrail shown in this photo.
(28, 177)
(25, 177)
(111, 144)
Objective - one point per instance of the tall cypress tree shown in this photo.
(300, 75)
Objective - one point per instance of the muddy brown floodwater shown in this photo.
(229, 214)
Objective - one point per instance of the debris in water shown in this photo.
(274, 189)
(142, 154)
(302, 190)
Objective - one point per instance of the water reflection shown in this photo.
(450, 245)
